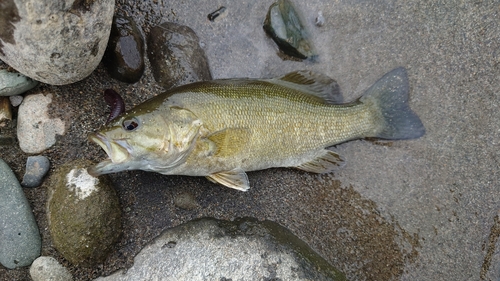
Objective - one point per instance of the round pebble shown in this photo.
(16, 100)
(36, 168)
(49, 269)
(124, 56)
(176, 56)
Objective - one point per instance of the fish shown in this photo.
(222, 129)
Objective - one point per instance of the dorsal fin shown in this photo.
(312, 83)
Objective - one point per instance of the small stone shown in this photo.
(217, 14)
(84, 214)
(284, 26)
(5, 110)
(244, 249)
(16, 100)
(176, 56)
(186, 201)
(55, 42)
(320, 20)
(20, 241)
(124, 56)
(36, 168)
(14, 83)
(49, 269)
(35, 130)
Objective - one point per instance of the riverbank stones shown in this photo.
(243, 249)
(84, 214)
(36, 168)
(49, 269)
(176, 56)
(12, 83)
(36, 131)
(55, 42)
(20, 241)
(124, 56)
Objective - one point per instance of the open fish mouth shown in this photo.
(118, 151)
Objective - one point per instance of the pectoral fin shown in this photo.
(229, 141)
(327, 162)
(235, 178)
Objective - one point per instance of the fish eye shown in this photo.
(130, 124)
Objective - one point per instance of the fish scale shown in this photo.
(285, 125)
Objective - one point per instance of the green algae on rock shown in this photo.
(84, 214)
(284, 26)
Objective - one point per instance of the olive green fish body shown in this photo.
(222, 128)
(268, 125)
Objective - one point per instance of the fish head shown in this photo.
(155, 141)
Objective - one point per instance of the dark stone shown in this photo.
(175, 55)
(36, 168)
(124, 57)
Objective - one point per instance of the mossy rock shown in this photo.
(84, 214)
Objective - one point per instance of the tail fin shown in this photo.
(390, 95)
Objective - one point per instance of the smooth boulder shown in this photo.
(84, 214)
(20, 241)
(243, 249)
(176, 56)
(55, 42)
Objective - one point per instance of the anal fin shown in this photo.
(235, 178)
(327, 162)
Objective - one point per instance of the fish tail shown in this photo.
(390, 96)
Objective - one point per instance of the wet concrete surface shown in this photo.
(424, 209)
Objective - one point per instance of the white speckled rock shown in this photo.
(49, 269)
(35, 130)
(56, 42)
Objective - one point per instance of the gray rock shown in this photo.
(20, 241)
(16, 100)
(36, 168)
(175, 55)
(35, 130)
(84, 214)
(49, 269)
(56, 42)
(14, 83)
(210, 249)
(124, 56)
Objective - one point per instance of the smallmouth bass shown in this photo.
(221, 129)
